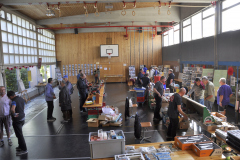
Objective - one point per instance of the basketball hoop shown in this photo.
(109, 55)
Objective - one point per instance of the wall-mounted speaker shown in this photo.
(76, 30)
(140, 30)
(159, 33)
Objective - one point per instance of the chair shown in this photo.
(132, 106)
(145, 125)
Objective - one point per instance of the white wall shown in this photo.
(34, 81)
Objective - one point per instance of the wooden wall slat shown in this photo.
(84, 48)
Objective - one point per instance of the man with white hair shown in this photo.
(223, 96)
(209, 94)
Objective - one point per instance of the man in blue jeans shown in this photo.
(49, 96)
(223, 96)
(18, 117)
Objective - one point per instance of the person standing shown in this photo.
(158, 93)
(18, 118)
(82, 88)
(224, 94)
(139, 78)
(70, 90)
(198, 89)
(97, 75)
(146, 81)
(78, 76)
(49, 96)
(209, 94)
(5, 118)
(65, 102)
(145, 69)
(174, 109)
(151, 73)
(170, 80)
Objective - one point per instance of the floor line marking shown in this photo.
(59, 128)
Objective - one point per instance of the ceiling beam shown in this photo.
(35, 2)
(142, 15)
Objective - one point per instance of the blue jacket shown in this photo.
(49, 92)
(145, 70)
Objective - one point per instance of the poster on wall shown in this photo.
(100, 66)
(82, 66)
(95, 67)
(66, 73)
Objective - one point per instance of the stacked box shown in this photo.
(233, 139)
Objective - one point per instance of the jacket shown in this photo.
(65, 99)
(49, 92)
(69, 86)
(82, 86)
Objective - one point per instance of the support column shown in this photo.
(217, 32)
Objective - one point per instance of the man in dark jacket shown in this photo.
(18, 118)
(70, 90)
(65, 102)
(170, 80)
(82, 88)
(139, 78)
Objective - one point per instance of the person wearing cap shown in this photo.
(49, 96)
(170, 80)
(65, 102)
(69, 88)
(209, 94)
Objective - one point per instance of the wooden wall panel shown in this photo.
(84, 48)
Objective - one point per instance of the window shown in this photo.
(2, 14)
(229, 3)
(231, 16)
(176, 34)
(187, 30)
(197, 26)
(9, 18)
(170, 36)
(209, 26)
(165, 39)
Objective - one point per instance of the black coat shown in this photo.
(65, 99)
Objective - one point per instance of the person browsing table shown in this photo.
(223, 96)
(158, 93)
(209, 94)
(174, 109)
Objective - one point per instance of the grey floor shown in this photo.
(53, 140)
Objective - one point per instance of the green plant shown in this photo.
(24, 77)
(11, 78)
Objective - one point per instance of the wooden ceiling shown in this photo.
(38, 12)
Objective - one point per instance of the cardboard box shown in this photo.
(183, 124)
(106, 125)
(117, 124)
(188, 146)
(212, 127)
(219, 115)
(93, 122)
(217, 151)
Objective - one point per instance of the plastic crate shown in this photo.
(139, 89)
(107, 148)
(140, 94)
(92, 116)
(140, 99)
